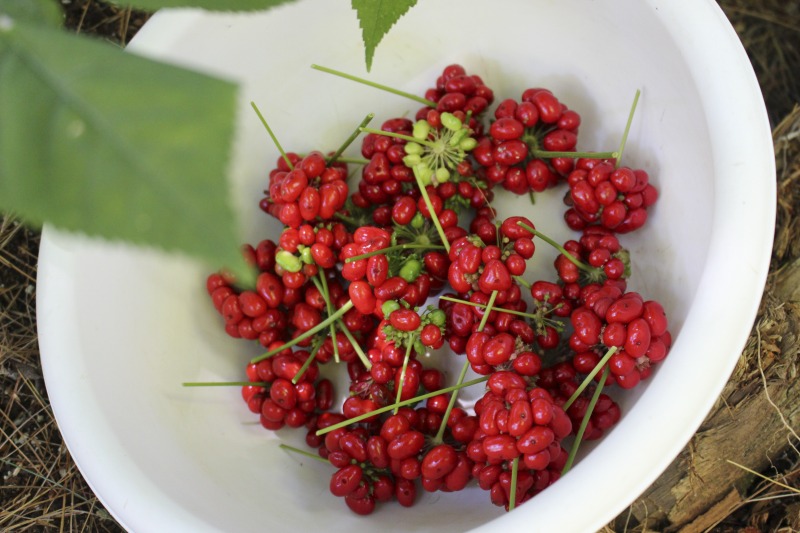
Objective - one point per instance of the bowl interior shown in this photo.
(122, 328)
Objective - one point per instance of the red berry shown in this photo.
(406, 445)
(404, 319)
(495, 277)
(439, 461)
(362, 297)
(506, 128)
(346, 480)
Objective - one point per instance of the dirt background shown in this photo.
(738, 474)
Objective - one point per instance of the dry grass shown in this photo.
(770, 31)
(787, 154)
(42, 490)
(114, 24)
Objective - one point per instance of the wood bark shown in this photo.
(751, 425)
(756, 420)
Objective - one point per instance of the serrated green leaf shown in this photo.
(376, 18)
(100, 141)
(211, 5)
(45, 12)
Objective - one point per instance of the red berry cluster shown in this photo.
(395, 372)
(389, 462)
(374, 280)
(305, 190)
(482, 267)
(456, 91)
(562, 381)
(519, 423)
(286, 395)
(613, 319)
(384, 177)
(514, 154)
(602, 194)
(351, 276)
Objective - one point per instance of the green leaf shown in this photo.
(376, 17)
(45, 12)
(100, 141)
(211, 5)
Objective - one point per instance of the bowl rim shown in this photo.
(726, 89)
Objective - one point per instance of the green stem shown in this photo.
(408, 246)
(272, 135)
(322, 287)
(313, 331)
(522, 281)
(306, 363)
(399, 386)
(627, 127)
(584, 422)
(345, 218)
(440, 434)
(578, 263)
(421, 100)
(352, 138)
(400, 136)
(326, 295)
(488, 310)
(546, 154)
(342, 159)
(512, 497)
(353, 160)
(361, 355)
(483, 306)
(303, 452)
(588, 379)
(434, 218)
(224, 384)
(410, 401)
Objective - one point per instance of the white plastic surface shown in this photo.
(121, 328)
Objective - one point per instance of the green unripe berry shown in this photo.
(450, 121)
(412, 160)
(424, 173)
(417, 221)
(288, 261)
(442, 175)
(421, 130)
(413, 148)
(410, 270)
(389, 306)
(458, 136)
(418, 346)
(438, 317)
(468, 144)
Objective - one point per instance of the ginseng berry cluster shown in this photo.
(392, 263)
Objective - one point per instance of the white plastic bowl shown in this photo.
(121, 328)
